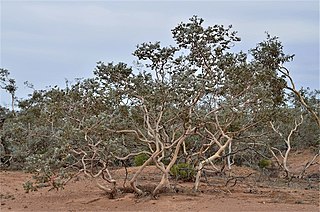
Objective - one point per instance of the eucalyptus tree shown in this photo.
(9, 85)
(157, 112)
(5, 154)
(239, 94)
(194, 91)
(162, 98)
(309, 133)
(59, 133)
(295, 128)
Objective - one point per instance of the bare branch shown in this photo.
(285, 72)
(130, 155)
(310, 163)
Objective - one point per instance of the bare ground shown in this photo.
(240, 194)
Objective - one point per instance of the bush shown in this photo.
(183, 171)
(140, 159)
(264, 163)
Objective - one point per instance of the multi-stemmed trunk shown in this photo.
(209, 160)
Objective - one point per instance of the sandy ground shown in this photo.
(248, 194)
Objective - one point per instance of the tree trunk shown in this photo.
(12, 104)
(209, 160)
(134, 178)
(164, 183)
(229, 156)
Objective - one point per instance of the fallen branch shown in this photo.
(236, 178)
(310, 163)
(91, 201)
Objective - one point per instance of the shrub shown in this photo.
(29, 186)
(264, 163)
(183, 171)
(140, 159)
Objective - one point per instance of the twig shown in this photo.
(237, 178)
(91, 201)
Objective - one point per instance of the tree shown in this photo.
(296, 128)
(196, 89)
(9, 85)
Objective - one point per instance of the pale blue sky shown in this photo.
(46, 42)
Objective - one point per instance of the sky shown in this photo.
(46, 42)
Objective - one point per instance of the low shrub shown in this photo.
(264, 163)
(140, 159)
(183, 171)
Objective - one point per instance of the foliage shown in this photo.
(183, 171)
(9, 85)
(264, 163)
(28, 186)
(140, 159)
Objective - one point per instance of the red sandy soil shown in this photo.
(247, 194)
